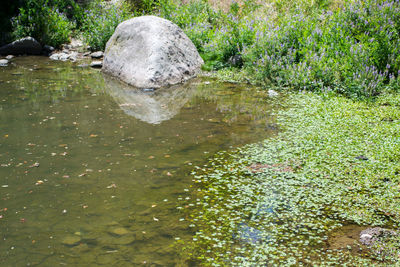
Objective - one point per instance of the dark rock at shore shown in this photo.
(47, 50)
(236, 61)
(24, 46)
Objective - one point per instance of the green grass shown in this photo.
(335, 163)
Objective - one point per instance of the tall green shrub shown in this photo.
(42, 22)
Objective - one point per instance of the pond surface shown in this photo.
(91, 171)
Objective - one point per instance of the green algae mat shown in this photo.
(303, 197)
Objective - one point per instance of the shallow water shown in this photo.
(91, 171)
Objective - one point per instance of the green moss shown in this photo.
(336, 162)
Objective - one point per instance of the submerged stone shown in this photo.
(71, 240)
(119, 231)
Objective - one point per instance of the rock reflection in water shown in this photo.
(151, 107)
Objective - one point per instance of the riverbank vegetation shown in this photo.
(336, 161)
(349, 47)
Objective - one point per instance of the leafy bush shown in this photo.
(353, 51)
(100, 21)
(44, 23)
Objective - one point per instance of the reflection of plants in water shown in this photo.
(238, 99)
(58, 80)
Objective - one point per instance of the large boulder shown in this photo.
(151, 52)
(27, 45)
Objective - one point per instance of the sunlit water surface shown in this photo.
(91, 170)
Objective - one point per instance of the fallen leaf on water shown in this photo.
(167, 156)
(36, 164)
(93, 135)
(62, 145)
(112, 186)
(65, 176)
(151, 157)
(6, 136)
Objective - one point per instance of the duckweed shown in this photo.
(277, 202)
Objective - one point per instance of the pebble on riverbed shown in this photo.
(71, 240)
(119, 231)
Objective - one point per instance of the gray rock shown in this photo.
(73, 56)
(96, 64)
(55, 56)
(3, 62)
(151, 52)
(98, 54)
(27, 45)
(9, 57)
(75, 44)
(64, 57)
(370, 236)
